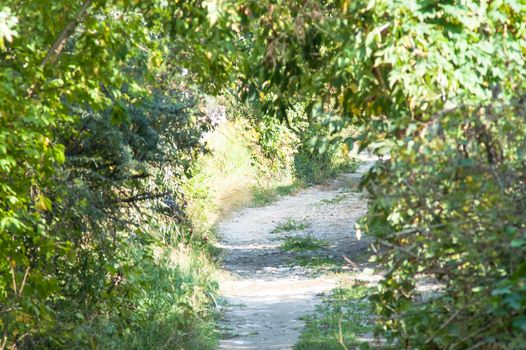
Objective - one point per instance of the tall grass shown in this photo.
(236, 173)
(340, 321)
(173, 305)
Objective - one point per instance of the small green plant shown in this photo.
(300, 244)
(286, 190)
(351, 187)
(264, 195)
(291, 225)
(318, 263)
(340, 197)
(339, 320)
(227, 333)
(314, 167)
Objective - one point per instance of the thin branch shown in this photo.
(23, 281)
(59, 44)
(340, 333)
(14, 277)
(478, 345)
(473, 334)
(444, 325)
(144, 196)
(352, 263)
(415, 230)
(402, 249)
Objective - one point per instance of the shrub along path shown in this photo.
(279, 259)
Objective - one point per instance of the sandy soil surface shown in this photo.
(266, 289)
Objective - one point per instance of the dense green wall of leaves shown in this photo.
(97, 133)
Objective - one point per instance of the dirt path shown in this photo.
(266, 288)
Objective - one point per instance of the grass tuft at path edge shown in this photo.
(342, 317)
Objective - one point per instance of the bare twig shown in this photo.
(352, 263)
(144, 196)
(23, 281)
(478, 345)
(473, 334)
(415, 230)
(402, 249)
(448, 321)
(14, 277)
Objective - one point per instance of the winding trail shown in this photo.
(266, 290)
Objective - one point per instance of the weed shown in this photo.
(227, 332)
(177, 282)
(317, 263)
(264, 195)
(340, 197)
(291, 225)
(300, 244)
(314, 167)
(340, 319)
(351, 185)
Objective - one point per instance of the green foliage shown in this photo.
(317, 158)
(455, 215)
(236, 172)
(222, 176)
(302, 243)
(117, 209)
(340, 197)
(341, 319)
(314, 167)
(291, 225)
(94, 143)
(317, 263)
(167, 306)
(125, 179)
(264, 195)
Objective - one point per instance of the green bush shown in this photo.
(455, 215)
(317, 158)
(116, 210)
(97, 132)
(314, 167)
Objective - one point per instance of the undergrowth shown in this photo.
(263, 195)
(340, 197)
(291, 225)
(318, 263)
(173, 305)
(303, 243)
(340, 320)
(236, 173)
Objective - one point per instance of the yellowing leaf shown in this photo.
(43, 203)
